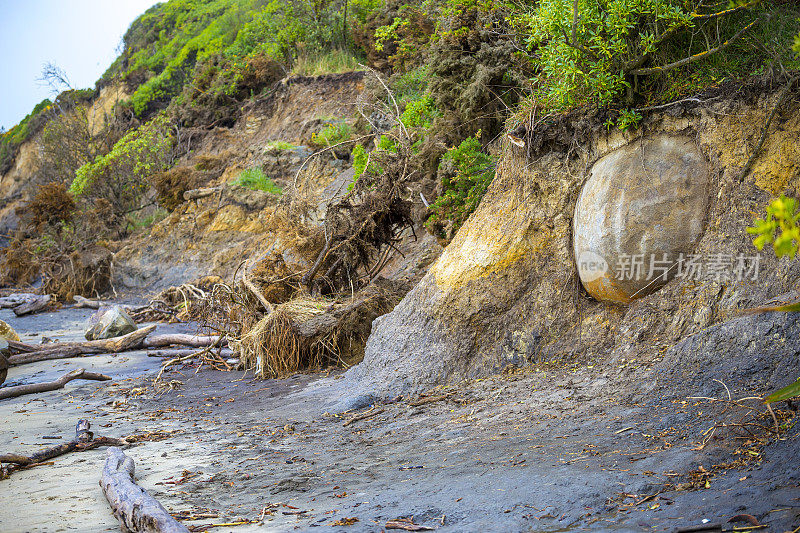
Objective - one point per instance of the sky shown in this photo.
(81, 36)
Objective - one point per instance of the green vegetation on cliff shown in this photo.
(457, 75)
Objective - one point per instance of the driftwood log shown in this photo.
(14, 300)
(32, 306)
(182, 339)
(84, 440)
(3, 368)
(196, 194)
(63, 350)
(80, 301)
(180, 352)
(33, 388)
(136, 510)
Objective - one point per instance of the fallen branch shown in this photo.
(430, 399)
(406, 525)
(181, 339)
(192, 355)
(84, 440)
(180, 352)
(253, 289)
(363, 416)
(3, 368)
(63, 350)
(21, 347)
(80, 301)
(196, 194)
(21, 390)
(136, 510)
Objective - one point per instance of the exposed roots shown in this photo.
(309, 333)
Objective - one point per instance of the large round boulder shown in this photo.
(643, 205)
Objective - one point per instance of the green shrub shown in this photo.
(466, 173)
(328, 62)
(280, 145)
(779, 228)
(163, 46)
(398, 33)
(122, 175)
(255, 179)
(137, 223)
(387, 144)
(411, 85)
(360, 158)
(361, 9)
(608, 50)
(332, 134)
(11, 139)
(419, 113)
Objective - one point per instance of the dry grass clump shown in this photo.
(85, 272)
(185, 302)
(52, 243)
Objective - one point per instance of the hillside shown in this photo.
(576, 213)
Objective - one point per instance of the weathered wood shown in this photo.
(13, 300)
(180, 352)
(64, 350)
(3, 368)
(363, 416)
(80, 301)
(84, 440)
(182, 339)
(196, 194)
(22, 347)
(21, 390)
(32, 306)
(136, 510)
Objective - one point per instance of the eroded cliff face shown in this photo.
(18, 182)
(215, 234)
(506, 290)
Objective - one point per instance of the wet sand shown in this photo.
(545, 449)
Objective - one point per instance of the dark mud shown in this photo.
(591, 447)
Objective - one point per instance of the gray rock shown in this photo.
(644, 201)
(754, 354)
(109, 322)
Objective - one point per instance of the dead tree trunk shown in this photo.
(21, 390)
(63, 350)
(136, 510)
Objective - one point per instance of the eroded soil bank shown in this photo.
(551, 448)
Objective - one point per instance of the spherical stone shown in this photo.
(642, 206)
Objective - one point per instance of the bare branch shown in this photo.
(726, 12)
(55, 77)
(577, 46)
(695, 57)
